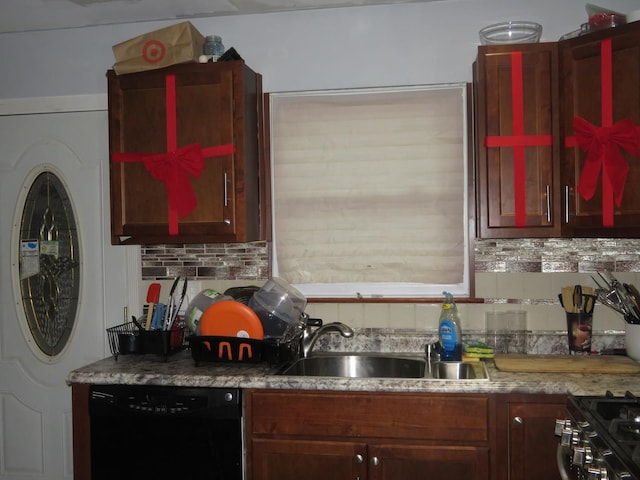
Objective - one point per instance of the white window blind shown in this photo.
(370, 191)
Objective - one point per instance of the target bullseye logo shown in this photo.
(153, 51)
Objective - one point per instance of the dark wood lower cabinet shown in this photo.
(275, 459)
(401, 462)
(525, 441)
(319, 460)
(367, 436)
(81, 431)
(317, 435)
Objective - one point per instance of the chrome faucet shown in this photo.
(432, 351)
(310, 337)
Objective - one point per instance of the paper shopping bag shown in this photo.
(178, 43)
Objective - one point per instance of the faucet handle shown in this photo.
(433, 350)
(313, 322)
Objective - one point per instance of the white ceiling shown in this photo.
(30, 15)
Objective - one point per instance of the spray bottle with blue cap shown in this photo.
(449, 330)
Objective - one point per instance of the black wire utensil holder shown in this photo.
(128, 338)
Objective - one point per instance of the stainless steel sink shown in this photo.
(459, 370)
(358, 366)
(383, 365)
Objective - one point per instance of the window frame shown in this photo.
(384, 291)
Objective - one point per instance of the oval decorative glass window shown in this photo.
(49, 264)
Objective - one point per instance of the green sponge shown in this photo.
(479, 350)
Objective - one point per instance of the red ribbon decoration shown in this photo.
(603, 150)
(603, 144)
(174, 167)
(518, 140)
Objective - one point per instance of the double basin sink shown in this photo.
(382, 365)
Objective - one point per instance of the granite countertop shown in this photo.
(181, 370)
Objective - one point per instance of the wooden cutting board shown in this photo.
(566, 364)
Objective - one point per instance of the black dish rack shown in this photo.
(239, 350)
(129, 339)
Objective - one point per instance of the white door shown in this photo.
(35, 402)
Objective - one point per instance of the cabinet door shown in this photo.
(157, 112)
(310, 460)
(402, 462)
(527, 427)
(517, 141)
(81, 431)
(600, 78)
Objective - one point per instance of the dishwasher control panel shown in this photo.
(164, 401)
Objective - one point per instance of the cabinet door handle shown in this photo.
(375, 461)
(566, 204)
(518, 420)
(548, 203)
(226, 190)
(359, 458)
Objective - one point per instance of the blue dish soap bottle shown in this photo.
(449, 331)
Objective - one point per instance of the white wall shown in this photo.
(433, 42)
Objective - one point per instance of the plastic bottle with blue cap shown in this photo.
(449, 330)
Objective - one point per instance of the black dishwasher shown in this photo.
(172, 433)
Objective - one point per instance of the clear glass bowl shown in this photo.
(511, 32)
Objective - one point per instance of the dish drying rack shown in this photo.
(276, 351)
(128, 338)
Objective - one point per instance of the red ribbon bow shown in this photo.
(173, 169)
(602, 145)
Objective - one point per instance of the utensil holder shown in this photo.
(579, 327)
(127, 338)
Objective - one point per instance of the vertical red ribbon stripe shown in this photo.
(518, 141)
(172, 140)
(606, 87)
(606, 102)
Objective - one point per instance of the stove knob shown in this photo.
(588, 455)
(570, 436)
(560, 424)
(582, 455)
(597, 473)
(578, 456)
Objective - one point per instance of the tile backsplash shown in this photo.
(510, 274)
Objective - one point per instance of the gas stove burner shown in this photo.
(628, 396)
(625, 430)
(630, 413)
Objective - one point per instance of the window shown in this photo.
(370, 191)
(48, 264)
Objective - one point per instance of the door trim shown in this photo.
(70, 103)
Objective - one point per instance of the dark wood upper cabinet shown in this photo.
(186, 146)
(601, 85)
(526, 95)
(516, 100)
